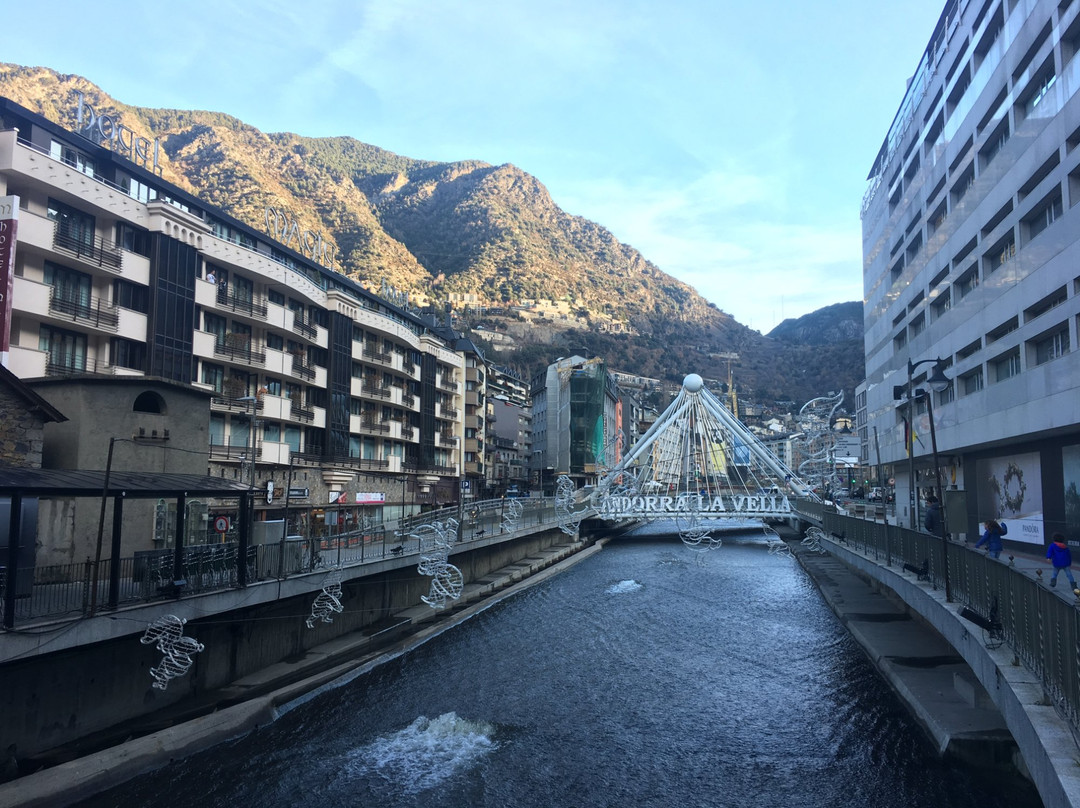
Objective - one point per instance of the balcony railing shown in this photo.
(227, 451)
(303, 413)
(301, 370)
(234, 404)
(89, 311)
(250, 354)
(378, 355)
(375, 389)
(374, 425)
(94, 250)
(303, 329)
(230, 300)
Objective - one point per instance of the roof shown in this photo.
(132, 484)
(33, 401)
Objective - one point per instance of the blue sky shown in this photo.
(727, 141)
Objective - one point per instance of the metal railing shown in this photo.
(94, 250)
(66, 590)
(1042, 628)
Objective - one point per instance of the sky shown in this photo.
(727, 141)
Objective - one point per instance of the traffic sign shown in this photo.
(221, 524)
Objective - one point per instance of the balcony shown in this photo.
(303, 413)
(87, 310)
(230, 301)
(240, 350)
(93, 250)
(303, 329)
(376, 389)
(301, 370)
(376, 355)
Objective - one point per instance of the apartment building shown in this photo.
(317, 387)
(971, 256)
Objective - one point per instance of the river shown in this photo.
(637, 677)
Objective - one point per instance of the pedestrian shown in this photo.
(991, 537)
(1060, 556)
(211, 277)
(932, 521)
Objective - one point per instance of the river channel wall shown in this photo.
(54, 705)
(1049, 750)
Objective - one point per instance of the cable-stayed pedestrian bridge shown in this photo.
(699, 467)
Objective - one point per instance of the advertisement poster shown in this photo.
(1010, 490)
(1070, 461)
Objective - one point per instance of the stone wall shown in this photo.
(21, 432)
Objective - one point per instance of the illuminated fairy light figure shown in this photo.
(511, 518)
(328, 602)
(447, 581)
(819, 440)
(569, 519)
(168, 633)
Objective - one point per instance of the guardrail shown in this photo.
(64, 591)
(1010, 605)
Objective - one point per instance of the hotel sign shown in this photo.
(282, 226)
(9, 225)
(716, 505)
(105, 130)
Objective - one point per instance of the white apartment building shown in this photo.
(971, 255)
(349, 401)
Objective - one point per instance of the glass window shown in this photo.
(66, 349)
(213, 375)
(1052, 346)
(72, 225)
(130, 295)
(126, 353)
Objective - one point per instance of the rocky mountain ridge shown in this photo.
(462, 231)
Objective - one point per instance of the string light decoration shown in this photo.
(168, 633)
(447, 580)
(512, 515)
(328, 602)
(569, 519)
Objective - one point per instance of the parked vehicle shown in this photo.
(875, 495)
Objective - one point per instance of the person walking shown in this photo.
(932, 521)
(991, 537)
(1060, 556)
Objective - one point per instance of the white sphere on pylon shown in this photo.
(693, 383)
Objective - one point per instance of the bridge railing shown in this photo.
(1041, 628)
(66, 591)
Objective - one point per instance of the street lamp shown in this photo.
(937, 382)
(253, 400)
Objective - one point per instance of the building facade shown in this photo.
(971, 243)
(314, 383)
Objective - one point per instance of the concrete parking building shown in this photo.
(971, 249)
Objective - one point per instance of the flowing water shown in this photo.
(637, 677)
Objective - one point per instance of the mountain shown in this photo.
(437, 230)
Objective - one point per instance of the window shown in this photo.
(276, 297)
(125, 353)
(70, 288)
(213, 375)
(941, 304)
(961, 186)
(1000, 254)
(994, 144)
(217, 325)
(232, 234)
(969, 349)
(272, 432)
(137, 190)
(1045, 214)
(1006, 366)
(73, 157)
(1052, 345)
(132, 239)
(967, 283)
(273, 386)
(1055, 298)
(1000, 331)
(72, 225)
(971, 382)
(130, 295)
(275, 341)
(66, 349)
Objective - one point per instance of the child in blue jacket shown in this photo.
(1061, 557)
(991, 537)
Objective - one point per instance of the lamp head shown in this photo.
(938, 381)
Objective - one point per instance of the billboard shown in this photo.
(1010, 490)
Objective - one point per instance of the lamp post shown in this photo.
(937, 382)
(253, 400)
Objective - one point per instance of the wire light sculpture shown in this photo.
(819, 440)
(168, 633)
(569, 519)
(447, 581)
(776, 545)
(328, 602)
(511, 517)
